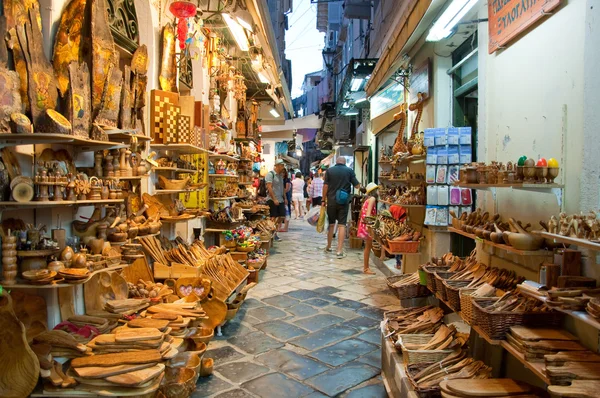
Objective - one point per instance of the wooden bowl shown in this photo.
(179, 382)
(207, 367)
(203, 335)
(186, 359)
(198, 348)
(165, 183)
(118, 237)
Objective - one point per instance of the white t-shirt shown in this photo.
(298, 186)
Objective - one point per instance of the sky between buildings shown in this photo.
(303, 43)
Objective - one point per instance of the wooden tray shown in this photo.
(536, 334)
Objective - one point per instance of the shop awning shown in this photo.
(388, 62)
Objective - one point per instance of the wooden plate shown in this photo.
(34, 275)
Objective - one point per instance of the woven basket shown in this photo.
(407, 291)
(246, 249)
(412, 370)
(395, 246)
(419, 356)
(452, 289)
(430, 273)
(439, 283)
(496, 324)
(466, 305)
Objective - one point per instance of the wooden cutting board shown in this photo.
(139, 269)
(138, 334)
(109, 340)
(59, 338)
(94, 391)
(126, 303)
(130, 358)
(553, 345)
(575, 370)
(137, 377)
(536, 334)
(166, 316)
(148, 323)
(577, 389)
(216, 310)
(571, 356)
(487, 387)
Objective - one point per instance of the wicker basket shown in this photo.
(412, 370)
(452, 288)
(430, 272)
(394, 246)
(419, 356)
(466, 304)
(406, 291)
(246, 249)
(496, 324)
(439, 283)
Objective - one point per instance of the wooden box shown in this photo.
(176, 270)
(239, 256)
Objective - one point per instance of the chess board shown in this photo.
(184, 132)
(158, 100)
(172, 113)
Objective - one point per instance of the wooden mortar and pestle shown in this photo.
(520, 239)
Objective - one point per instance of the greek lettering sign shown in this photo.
(508, 18)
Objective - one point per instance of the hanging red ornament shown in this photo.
(182, 10)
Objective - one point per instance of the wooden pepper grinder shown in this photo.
(116, 163)
(108, 166)
(9, 259)
(98, 163)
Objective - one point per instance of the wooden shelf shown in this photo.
(583, 243)
(223, 176)
(245, 183)
(214, 155)
(524, 186)
(61, 203)
(181, 148)
(400, 204)
(538, 368)
(174, 191)
(125, 134)
(406, 160)
(504, 247)
(179, 221)
(126, 178)
(25, 285)
(226, 198)
(216, 230)
(175, 169)
(401, 180)
(7, 140)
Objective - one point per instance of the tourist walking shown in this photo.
(275, 192)
(338, 182)
(307, 182)
(287, 184)
(315, 191)
(369, 209)
(298, 195)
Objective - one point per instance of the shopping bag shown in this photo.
(312, 217)
(322, 219)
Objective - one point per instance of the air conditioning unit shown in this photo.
(357, 9)
(342, 129)
(360, 139)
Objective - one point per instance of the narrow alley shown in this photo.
(309, 329)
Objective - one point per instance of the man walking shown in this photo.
(339, 179)
(277, 201)
(316, 190)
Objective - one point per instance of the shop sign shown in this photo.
(419, 81)
(388, 98)
(508, 18)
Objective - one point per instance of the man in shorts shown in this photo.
(277, 201)
(338, 178)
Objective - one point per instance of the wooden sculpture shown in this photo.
(126, 105)
(79, 109)
(19, 366)
(111, 99)
(103, 53)
(417, 106)
(11, 98)
(67, 48)
(399, 144)
(3, 49)
(16, 13)
(168, 65)
(41, 83)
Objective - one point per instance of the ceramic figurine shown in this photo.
(221, 167)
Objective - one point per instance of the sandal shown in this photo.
(368, 271)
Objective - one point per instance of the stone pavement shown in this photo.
(308, 329)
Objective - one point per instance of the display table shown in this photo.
(393, 373)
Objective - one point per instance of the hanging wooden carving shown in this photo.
(139, 87)
(41, 84)
(16, 13)
(79, 109)
(168, 65)
(103, 53)
(111, 101)
(399, 144)
(126, 106)
(123, 23)
(3, 34)
(10, 97)
(417, 106)
(139, 62)
(67, 48)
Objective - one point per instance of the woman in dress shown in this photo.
(369, 209)
(298, 195)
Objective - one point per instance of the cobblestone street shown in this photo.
(309, 329)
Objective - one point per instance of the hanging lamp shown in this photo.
(182, 10)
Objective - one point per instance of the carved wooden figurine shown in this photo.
(399, 144)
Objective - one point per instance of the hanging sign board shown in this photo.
(509, 18)
(419, 81)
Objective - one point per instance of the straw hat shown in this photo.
(371, 187)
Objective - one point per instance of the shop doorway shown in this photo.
(465, 104)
